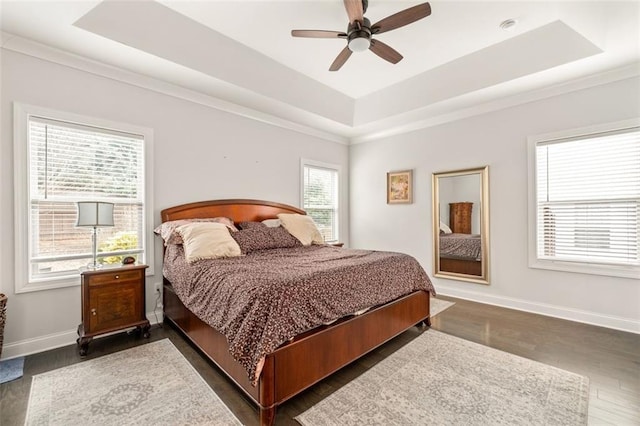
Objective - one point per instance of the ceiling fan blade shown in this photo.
(354, 10)
(340, 59)
(385, 51)
(318, 34)
(402, 18)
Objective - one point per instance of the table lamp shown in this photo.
(94, 214)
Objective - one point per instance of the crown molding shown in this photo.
(458, 108)
(453, 110)
(11, 42)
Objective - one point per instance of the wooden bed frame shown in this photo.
(311, 356)
(461, 266)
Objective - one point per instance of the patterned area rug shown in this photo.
(152, 384)
(438, 379)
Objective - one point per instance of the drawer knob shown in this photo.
(117, 276)
(93, 311)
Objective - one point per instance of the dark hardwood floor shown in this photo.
(611, 360)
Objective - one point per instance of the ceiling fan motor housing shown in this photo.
(359, 35)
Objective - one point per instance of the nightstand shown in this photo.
(112, 299)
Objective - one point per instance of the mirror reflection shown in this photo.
(461, 228)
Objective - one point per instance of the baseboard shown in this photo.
(577, 315)
(56, 340)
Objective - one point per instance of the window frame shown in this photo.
(334, 167)
(21, 114)
(611, 270)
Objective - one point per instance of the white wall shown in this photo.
(497, 139)
(200, 153)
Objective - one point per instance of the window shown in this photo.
(63, 162)
(320, 197)
(587, 201)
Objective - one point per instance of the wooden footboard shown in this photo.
(310, 357)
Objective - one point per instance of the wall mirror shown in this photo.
(461, 225)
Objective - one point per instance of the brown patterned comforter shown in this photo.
(260, 301)
(461, 246)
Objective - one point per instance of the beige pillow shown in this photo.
(207, 240)
(167, 230)
(444, 228)
(272, 223)
(302, 227)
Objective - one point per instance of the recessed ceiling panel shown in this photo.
(541, 49)
(154, 28)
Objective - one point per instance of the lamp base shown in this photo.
(93, 267)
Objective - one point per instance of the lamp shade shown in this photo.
(95, 213)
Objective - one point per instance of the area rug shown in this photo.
(11, 369)
(438, 305)
(152, 384)
(438, 379)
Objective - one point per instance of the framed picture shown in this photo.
(400, 187)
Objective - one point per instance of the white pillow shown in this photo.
(272, 223)
(302, 227)
(444, 228)
(207, 240)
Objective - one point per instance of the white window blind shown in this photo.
(320, 199)
(588, 198)
(69, 162)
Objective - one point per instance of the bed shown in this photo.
(306, 358)
(461, 253)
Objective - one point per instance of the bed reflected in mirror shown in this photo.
(461, 224)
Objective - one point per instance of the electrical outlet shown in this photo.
(157, 287)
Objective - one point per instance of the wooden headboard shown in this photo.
(239, 210)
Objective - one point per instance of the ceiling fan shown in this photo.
(360, 32)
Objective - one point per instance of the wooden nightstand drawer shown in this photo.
(115, 276)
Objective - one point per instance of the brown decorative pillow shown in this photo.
(255, 236)
(282, 237)
(253, 239)
(169, 235)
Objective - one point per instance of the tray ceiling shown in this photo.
(242, 52)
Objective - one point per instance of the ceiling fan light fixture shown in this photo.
(359, 44)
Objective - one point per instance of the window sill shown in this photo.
(48, 284)
(584, 268)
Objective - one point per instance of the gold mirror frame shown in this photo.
(457, 267)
